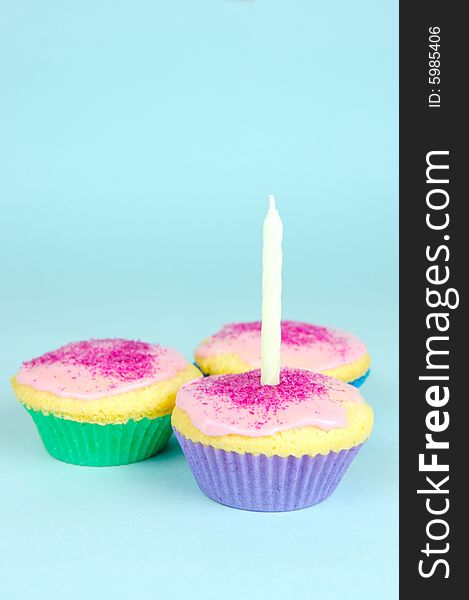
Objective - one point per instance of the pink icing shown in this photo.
(304, 346)
(239, 404)
(98, 368)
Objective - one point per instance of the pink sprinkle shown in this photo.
(239, 404)
(294, 333)
(124, 360)
(245, 391)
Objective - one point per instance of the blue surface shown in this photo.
(139, 142)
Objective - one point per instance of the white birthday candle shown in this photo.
(271, 335)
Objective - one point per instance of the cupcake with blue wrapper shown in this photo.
(236, 349)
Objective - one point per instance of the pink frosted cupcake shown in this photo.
(270, 448)
(236, 348)
(103, 402)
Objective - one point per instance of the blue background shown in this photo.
(138, 144)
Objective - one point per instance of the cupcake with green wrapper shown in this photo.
(103, 402)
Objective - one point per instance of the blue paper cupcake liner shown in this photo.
(265, 483)
(358, 382)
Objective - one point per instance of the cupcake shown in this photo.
(236, 348)
(270, 448)
(103, 402)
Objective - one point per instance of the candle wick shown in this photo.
(272, 201)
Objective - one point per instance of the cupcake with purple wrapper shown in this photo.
(274, 439)
(270, 447)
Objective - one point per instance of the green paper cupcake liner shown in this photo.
(95, 445)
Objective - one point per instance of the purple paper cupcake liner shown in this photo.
(265, 483)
